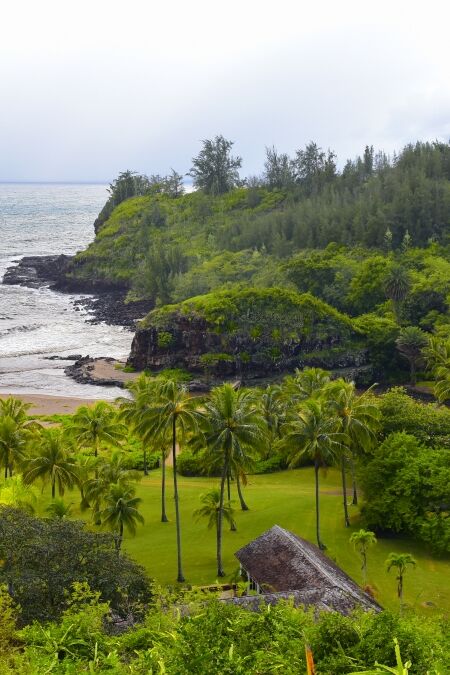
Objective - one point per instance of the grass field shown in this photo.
(287, 499)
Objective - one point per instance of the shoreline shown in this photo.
(47, 404)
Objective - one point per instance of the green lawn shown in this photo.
(287, 499)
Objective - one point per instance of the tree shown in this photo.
(279, 170)
(42, 558)
(97, 424)
(361, 540)
(360, 418)
(313, 431)
(146, 392)
(58, 509)
(233, 427)
(397, 284)
(410, 343)
(52, 463)
(212, 510)
(437, 356)
(14, 439)
(400, 562)
(121, 511)
(215, 170)
(174, 411)
(306, 383)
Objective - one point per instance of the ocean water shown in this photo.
(44, 219)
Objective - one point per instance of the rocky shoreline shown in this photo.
(103, 302)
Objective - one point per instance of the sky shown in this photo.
(88, 89)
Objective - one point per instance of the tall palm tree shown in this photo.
(361, 540)
(145, 393)
(397, 284)
(273, 410)
(121, 511)
(52, 463)
(313, 432)
(173, 414)
(306, 383)
(233, 429)
(410, 343)
(211, 510)
(360, 418)
(94, 425)
(400, 562)
(108, 472)
(14, 440)
(14, 408)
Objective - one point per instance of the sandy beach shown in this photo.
(52, 405)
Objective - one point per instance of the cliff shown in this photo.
(248, 333)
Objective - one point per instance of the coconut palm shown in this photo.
(14, 440)
(52, 463)
(306, 383)
(95, 425)
(145, 392)
(400, 562)
(113, 471)
(173, 414)
(361, 540)
(314, 432)
(233, 429)
(273, 410)
(15, 408)
(360, 418)
(397, 284)
(410, 343)
(121, 511)
(211, 510)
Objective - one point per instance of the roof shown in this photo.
(281, 562)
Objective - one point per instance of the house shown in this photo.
(279, 564)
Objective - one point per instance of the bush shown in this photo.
(274, 463)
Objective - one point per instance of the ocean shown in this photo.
(45, 219)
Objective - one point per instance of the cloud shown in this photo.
(89, 89)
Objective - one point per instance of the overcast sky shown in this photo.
(88, 89)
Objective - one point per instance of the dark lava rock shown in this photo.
(81, 371)
(36, 271)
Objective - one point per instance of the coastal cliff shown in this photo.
(250, 333)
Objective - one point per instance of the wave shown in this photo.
(25, 328)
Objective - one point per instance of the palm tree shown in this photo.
(15, 408)
(400, 562)
(173, 412)
(107, 473)
(121, 511)
(273, 410)
(361, 540)
(437, 355)
(233, 428)
(211, 510)
(410, 344)
(313, 432)
(58, 509)
(97, 424)
(360, 418)
(14, 439)
(397, 284)
(145, 392)
(306, 383)
(52, 463)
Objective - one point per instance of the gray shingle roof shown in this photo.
(281, 562)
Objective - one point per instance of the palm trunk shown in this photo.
(220, 570)
(53, 488)
(232, 524)
(6, 464)
(344, 491)
(355, 493)
(119, 538)
(164, 518)
(145, 463)
(244, 506)
(180, 577)
(319, 543)
(400, 591)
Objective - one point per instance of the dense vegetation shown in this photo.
(371, 240)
